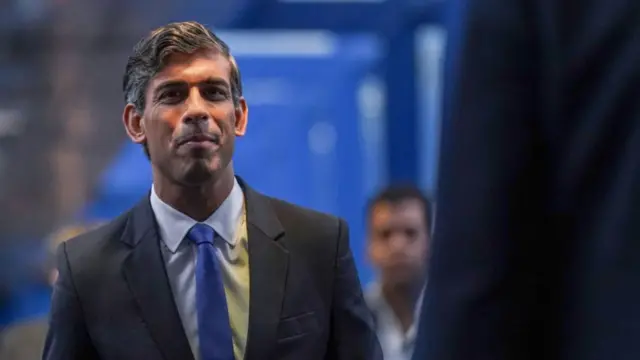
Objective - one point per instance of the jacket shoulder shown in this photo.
(87, 251)
(94, 237)
(312, 221)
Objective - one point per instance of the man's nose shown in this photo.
(196, 110)
(397, 242)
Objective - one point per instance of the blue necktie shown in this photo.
(214, 330)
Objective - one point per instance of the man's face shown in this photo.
(190, 121)
(398, 241)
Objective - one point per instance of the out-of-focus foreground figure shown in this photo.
(537, 248)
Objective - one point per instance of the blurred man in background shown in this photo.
(399, 226)
(537, 250)
(25, 339)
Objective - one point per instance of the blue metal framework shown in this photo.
(395, 22)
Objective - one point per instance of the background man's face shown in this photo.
(398, 241)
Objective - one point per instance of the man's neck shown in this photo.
(402, 299)
(197, 202)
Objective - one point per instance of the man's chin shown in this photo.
(201, 172)
(402, 276)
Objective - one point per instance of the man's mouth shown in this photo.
(199, 139)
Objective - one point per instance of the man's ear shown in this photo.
(242, 116)
(133, 124)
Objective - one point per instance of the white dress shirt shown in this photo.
(229, 223)
(395, 342)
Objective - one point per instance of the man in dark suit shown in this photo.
(205, 267)
(537, 247)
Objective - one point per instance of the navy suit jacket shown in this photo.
(537, 247)
(113, 300)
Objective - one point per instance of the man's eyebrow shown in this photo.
(214, 81)
(170, 84)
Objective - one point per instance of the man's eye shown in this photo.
(171, 96)
(215, 93)
(411, 233)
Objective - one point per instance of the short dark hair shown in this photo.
(151, 52)
(397, 193)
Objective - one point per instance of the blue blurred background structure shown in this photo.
(343, 95)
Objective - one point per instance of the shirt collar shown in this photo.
(174, 225)
(376, 301)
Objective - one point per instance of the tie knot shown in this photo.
(201, 234)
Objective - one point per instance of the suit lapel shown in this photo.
(268, 263)
(145, 272)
